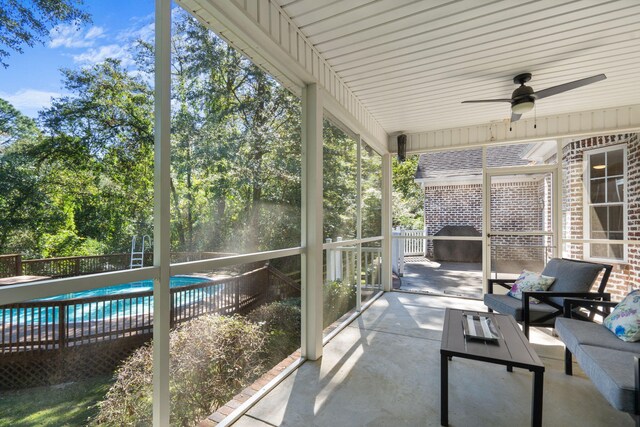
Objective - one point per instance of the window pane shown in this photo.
(371, 263)
(617, 251)
(340, 168)
(62, 354)
(598, 191)
(615, 190)
(236, 150)
(76, 165)
(599, 250)
(371, 181)
(228, 330)
(616, 218)
(339, 289)
(615, 162)
(598, 165)
(598, 218)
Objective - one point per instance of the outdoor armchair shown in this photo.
(573, 279)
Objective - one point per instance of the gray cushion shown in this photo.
(505, 304)
(575, 332)
(571, 276)
(611, 371)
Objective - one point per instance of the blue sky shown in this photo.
(34, 77)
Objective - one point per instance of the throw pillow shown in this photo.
(529, 281)
(624, 320)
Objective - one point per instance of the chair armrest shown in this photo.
(594, 307)
(505, 283)
(545, 295)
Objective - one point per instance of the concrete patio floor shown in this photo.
(384, 370)
(449, 278)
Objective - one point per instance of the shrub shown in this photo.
(339, 298)
(212, 358)
(281, 321)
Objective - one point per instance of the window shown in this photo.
(606, 213)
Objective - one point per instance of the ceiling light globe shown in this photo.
(522, 107)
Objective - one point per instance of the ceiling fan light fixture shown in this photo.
(523, 106)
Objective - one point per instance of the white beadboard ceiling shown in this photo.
(412, 62)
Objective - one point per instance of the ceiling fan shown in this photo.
(523, 98)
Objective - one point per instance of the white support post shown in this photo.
(331, 267)
(338, 263)
(558, 227)
(161, 213)
(312, 301)
(358, 275)
(386, 222)
(486, 241)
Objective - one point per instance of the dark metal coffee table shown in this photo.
(512, 350)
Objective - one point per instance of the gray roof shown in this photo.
(469, 162)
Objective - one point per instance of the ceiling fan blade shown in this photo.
(486, 100)
(515, 117)
(554, 90)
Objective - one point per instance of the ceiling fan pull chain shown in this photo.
(535, 116)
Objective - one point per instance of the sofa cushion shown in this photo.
(508, 305)
(574, 332)
(530, 281)
(611, 371)
(571, 276)
(624, 320)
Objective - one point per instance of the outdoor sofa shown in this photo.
(610, 363)
(573, 279)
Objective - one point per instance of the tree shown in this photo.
(14, 126)
(408, 198)
(26, 209)
(27, 22)
(100, 143)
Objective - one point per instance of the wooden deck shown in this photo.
(16, 280)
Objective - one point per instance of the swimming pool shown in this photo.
(117, 302)
(125, 288)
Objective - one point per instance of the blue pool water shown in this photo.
(125, 288)
(123, 303)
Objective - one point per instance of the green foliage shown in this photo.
(339, 183)
(28, 22)
(408, 198)
(67, 243)
(281, 320)
(338, 298)
(212, 358)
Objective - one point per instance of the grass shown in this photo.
(68, 404)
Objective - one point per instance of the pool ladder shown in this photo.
(137, 257)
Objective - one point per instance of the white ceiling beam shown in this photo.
(585, 123)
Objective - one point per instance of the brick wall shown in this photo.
(625, 276)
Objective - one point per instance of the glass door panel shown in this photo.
(521, 222)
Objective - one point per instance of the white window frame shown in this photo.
(586, 209)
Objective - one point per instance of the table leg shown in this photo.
(444, 390)
(536, 406)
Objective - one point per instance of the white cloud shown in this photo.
(99, 54)
(141, 30)
(72, 36)
(30, 101)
